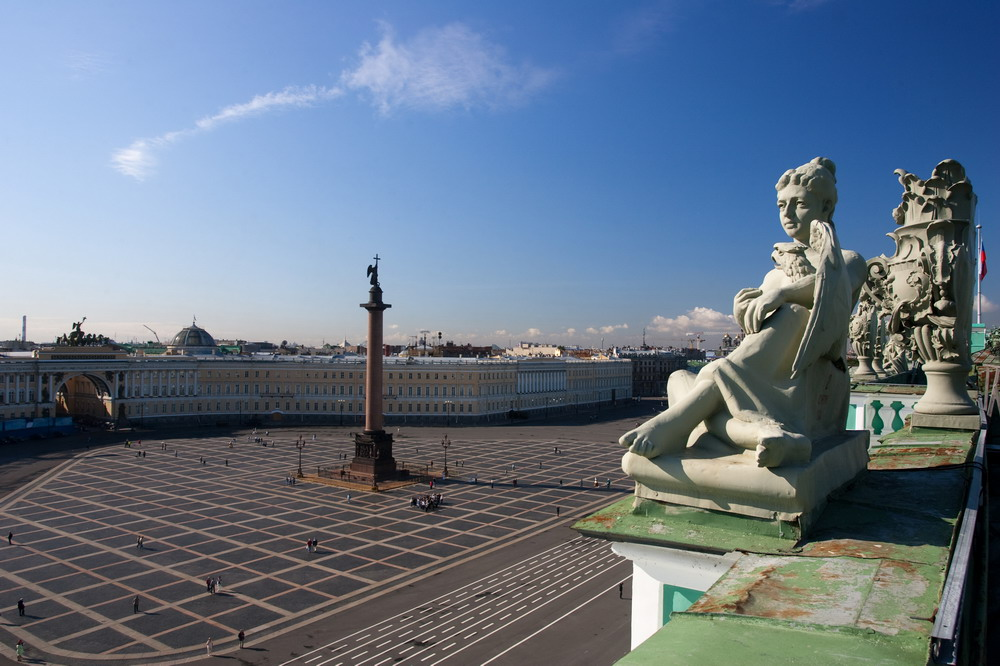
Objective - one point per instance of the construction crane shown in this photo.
(695, 340)
(153, 332)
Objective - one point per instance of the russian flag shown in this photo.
(982, 262)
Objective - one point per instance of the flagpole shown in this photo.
(979, 274)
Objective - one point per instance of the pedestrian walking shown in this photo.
(315, 545)
(217, 587)
(557, 512)
(135, 604)
(208, 584)
(10, 538)
(621, 590)
(20, 607)
(19, 650)
(208, 646)
(242, 636)
(348, 498)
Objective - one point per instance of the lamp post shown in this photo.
(445, 443)
(300, 445)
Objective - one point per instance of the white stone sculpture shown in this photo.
(786, 386)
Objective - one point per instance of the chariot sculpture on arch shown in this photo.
(786, 385)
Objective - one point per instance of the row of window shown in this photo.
(229, 407)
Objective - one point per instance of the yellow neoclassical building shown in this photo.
(110, 385)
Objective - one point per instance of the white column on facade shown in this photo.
(17, 387)
(656, 566)
(52, 390)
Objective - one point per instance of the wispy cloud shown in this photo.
(442, 68)
(642, 28)
(289, 97)
(439, 69)
(85, 64)
(799, 5)
(139, 159)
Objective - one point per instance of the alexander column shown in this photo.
(373, 448)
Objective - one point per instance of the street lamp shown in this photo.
(445, 443)
(300, 445)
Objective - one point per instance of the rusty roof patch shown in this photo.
(823, 591)
(916, 454)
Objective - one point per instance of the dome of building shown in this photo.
(192, 340)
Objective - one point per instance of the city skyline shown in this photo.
(552, 173)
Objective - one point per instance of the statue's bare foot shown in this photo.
(777, 447)
(651, 440)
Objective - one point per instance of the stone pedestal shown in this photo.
(712, 475)
(946, 393)
(373, 461)
(864, 372)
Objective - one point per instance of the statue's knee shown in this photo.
(679, 383)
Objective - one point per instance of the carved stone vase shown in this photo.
(930, 282)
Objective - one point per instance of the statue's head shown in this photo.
(805, 194)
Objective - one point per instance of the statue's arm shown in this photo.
(775, 292)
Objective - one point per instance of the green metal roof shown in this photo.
(862, 587)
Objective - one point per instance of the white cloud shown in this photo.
(289, 97)
(533, 332)
(442, 68)
(439, 69)
(139, 159)
(988, 305)
(605, 330)
(699, 320)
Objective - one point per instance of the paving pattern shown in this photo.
(206, 509)
(446, 629)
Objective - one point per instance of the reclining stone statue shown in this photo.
(786, 386)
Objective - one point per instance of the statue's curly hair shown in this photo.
(818, 175)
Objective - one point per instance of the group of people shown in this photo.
(426, 502)
(289, 480)
(213, 585)
(312, 545)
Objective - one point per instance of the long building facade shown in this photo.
(110, 386)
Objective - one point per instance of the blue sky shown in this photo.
(561, 171)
